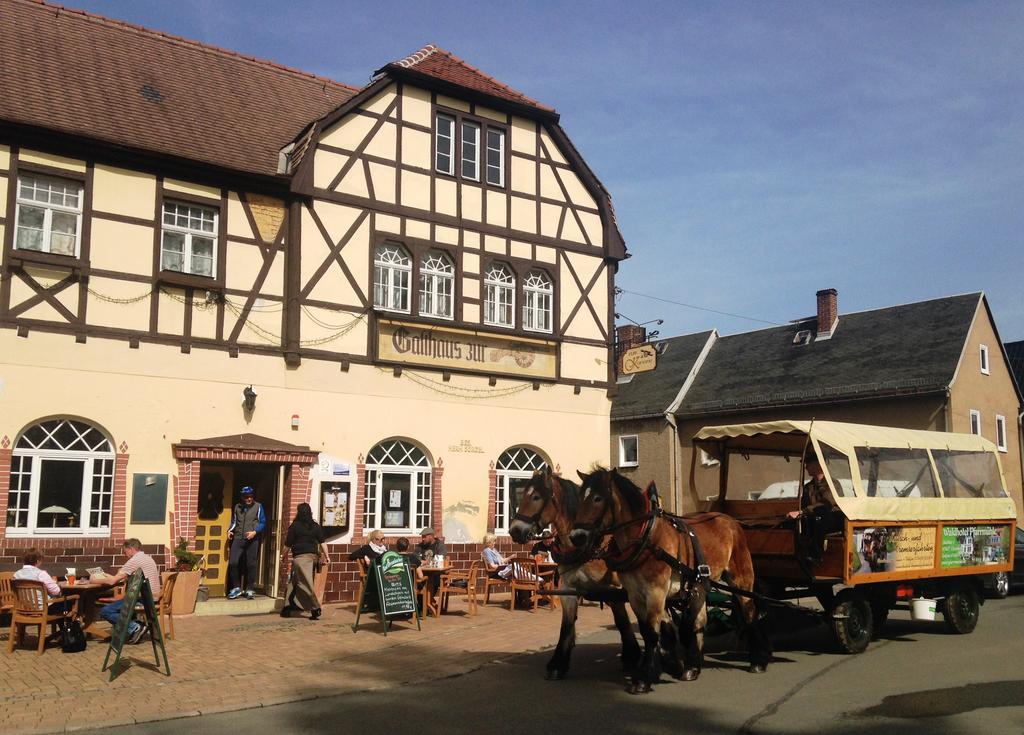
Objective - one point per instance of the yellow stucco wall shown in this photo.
(990, 395)
(154, 396)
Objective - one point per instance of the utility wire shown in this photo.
(699, 308)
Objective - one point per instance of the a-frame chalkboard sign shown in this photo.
(136, 588)
(390, 576)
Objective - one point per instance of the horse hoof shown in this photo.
(690, 674)
(640, 687)
(758, 668)
(554, 675)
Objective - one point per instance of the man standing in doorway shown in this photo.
(247, 523)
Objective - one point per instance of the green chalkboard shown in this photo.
(149, 498)
(137, 588)
(392, 578)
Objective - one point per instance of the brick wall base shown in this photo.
(343, 575)
(59, 554)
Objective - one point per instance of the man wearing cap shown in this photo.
(247, 523)
(429, 547)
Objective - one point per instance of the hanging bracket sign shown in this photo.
(639, 359)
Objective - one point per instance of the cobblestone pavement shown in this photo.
(226, 663)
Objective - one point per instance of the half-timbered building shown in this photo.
(393, 301)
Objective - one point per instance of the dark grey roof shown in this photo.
(1015, 354)
(899, 350)
(651, 393)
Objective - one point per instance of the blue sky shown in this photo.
(755, 152)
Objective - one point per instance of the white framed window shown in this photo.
(538, 295)
(437, 285)
(1001, 433)
(188, 242)
(470, 150)
(49, 215)
(514, 468)
(629, 455)
(976, 422)
(444, 144)
(983, 353)
(62, 481)
(392, 273)
(499, 295)
(495, 157)
(399, 488)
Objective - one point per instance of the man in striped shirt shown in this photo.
(137, 559)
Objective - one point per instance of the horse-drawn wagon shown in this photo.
(915, 516)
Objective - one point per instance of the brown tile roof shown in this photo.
(445, 66)
(82, 74)
(245, 442)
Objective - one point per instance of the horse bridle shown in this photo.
(534, 520)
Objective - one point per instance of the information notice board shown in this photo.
(391, 578)
(136, 589)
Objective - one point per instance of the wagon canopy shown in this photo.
(879, 473)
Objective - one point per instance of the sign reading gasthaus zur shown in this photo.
(463, 349)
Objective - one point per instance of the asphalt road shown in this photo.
(915, 678)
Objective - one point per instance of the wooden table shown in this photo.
(88, 593)
(433, 575)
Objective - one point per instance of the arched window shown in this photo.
(392, 272)
(515, 468)
(62, 480)
(437, 285)
(537, 299)
(398, 488)
(499, 295)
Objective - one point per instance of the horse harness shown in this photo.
(640, 549)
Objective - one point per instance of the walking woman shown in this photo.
(306, 540)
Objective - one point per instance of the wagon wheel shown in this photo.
(961, 610)
(851, 621)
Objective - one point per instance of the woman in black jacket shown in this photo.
(306, 540)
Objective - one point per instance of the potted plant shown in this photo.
(188, 564)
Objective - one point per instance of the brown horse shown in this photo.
(550, 500)
(660, 562)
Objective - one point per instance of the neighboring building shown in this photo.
(936, 365)
(393, 302)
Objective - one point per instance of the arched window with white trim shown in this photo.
(62, 481)
(398, 488)
(538, 295)
(515, 467)
(392, 274)
(437, 285)
(499, 295)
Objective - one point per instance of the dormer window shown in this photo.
(459, 143)
(984, 360)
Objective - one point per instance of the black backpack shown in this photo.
(72, 637)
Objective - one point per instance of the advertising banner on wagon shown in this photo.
(970, 546)
(892, 549)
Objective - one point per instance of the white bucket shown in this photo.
(922, 609)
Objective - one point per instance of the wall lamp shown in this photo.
(249, 399)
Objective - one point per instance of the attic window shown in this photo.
(803, 337)
(151, 93)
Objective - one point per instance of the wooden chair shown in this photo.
(492, 580)
(460, 583)
(164, 612)
(32, 607)
(525, 578)
(117, 594)
(6, 593)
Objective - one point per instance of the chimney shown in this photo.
(629, 335)
(828, 311)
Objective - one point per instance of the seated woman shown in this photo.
(498, 566)
(374, 548)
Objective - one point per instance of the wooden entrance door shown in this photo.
(212, 521)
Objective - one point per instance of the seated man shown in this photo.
(137, 559)
(820, 516)
(429, 547)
